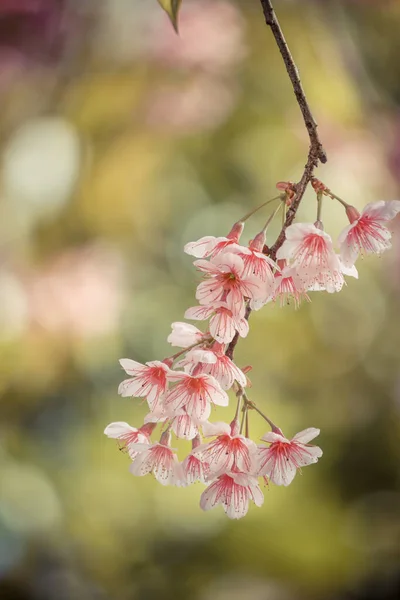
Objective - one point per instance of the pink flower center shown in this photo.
(312, 249)
(157, 376)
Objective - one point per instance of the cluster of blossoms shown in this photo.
(181, 390)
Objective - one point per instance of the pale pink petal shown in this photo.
(142, 464)
(194, 470)
(274, 437)
(255, 493)
(306, 435)
(382, 211)
(216, 394)
(278, 467)
(184, 335)
(184, 427)
(208, 499)
(138, 387)
(131, 366)
(242, 327)
(118, 429)
(199, 313)
(204, 246)
(228, 262)
(348, 271)
(209, 291)
(217, 428)
(307, 455)
(222, 327)
(239, 505)
(198, 407)
(205, 266)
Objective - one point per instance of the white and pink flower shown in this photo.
(193, 468)
(234, 491)
(226, 277)
(209, 245)
(225, 320)
(148, 381)
(184, 426)
(158, 459)
(126, 435)
(310, 251)
(229, 451)
(289, 287)
(280, 461)
(195, 393)
(367, 232)
(259, 265)
(215, 362)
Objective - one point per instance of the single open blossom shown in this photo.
(215, 362)
(127, 435)
(158, 459)
(148, 381)
(367, 232)
(195, 393)
(209, 245)
(193, 468)
(310, 251)
(289, 287)
(225, 277)
(224, 320)
(260, 265)
(184, 426)
(228, 451)
(233, 491)
(280, 461)
(184, 335)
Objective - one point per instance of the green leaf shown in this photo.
(171, 7)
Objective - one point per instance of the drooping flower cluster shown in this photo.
(181, 390)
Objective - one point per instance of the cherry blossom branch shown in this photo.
(316, 152)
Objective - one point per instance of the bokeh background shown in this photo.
(119, 143)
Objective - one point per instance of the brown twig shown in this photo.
(316, 152)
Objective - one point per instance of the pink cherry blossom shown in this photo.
(209, 245)
(184, 426)
(310, 251)
(258, 264)
(158, 459)
(225, 277)
(127, 435)
(184, 335)
(195, 393)
(148, 381)
(215, 362)
(229, 451)
(233, 491)
(367, 232)
(289, 287)
(193, 468)
(224, 322)
(280, 461)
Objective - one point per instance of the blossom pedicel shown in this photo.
(182, 389)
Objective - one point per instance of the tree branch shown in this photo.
(293, 72)
(316, 152)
